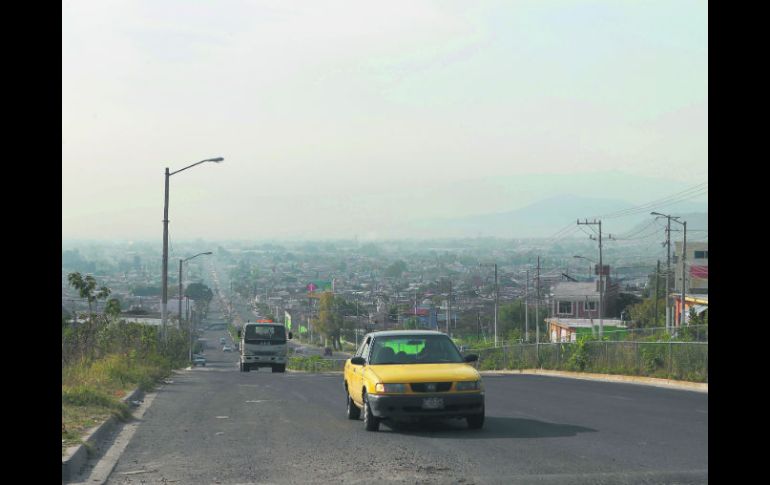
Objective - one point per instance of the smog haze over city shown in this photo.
(378, 121)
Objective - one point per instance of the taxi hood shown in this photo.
(405, 373)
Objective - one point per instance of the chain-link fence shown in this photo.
(689, 333)
(672, 360)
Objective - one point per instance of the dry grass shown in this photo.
(92, 392)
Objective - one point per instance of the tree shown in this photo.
(643, 314)
(396, 269)
(329, 321)
(86, 287)
(201, 294)
(510, 318)
(112, 308)
(626, 300)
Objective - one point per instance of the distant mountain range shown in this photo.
(548, 216)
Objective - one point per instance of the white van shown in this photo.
(263, 345)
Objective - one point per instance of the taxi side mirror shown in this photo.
(357, 361)
(471, 358)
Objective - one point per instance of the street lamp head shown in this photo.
(208, 252)
(216, 160)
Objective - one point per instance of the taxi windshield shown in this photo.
(414, 349)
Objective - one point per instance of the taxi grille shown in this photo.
(431, 386)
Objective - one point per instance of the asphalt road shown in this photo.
(242, 313)
(214, 424)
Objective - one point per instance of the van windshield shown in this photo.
(265, 332)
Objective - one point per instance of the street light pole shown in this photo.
(181, 292)
(164, 274)
(497, 296)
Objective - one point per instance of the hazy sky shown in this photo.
(341, 118)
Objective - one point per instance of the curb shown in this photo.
(76, 456)
(638, 380)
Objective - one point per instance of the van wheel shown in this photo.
(371, 423)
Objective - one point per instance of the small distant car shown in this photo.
(222, 340)
(227, 348)
(199, 360)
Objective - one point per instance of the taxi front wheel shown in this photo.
(475, 421)
(371, 423)
(352, 410)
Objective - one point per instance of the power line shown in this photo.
(668, 200)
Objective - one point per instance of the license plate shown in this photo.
(433, 403)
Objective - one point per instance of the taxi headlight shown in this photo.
(468, 386)
(380, 387)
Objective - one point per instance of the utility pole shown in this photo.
(669, 313)
(478, 326)
(537, 311)
(657, 279)
(449, 307)
(601, 274)
(668, 274)
(497, 295)
(684, 273)
(670, 317)
(526, 310)
(180, 292)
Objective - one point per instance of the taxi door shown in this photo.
(355, 379)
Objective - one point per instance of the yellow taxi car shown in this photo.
(412, 374)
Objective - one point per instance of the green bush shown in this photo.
(688, 361)
(579, 359)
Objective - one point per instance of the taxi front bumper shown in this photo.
(386, 406)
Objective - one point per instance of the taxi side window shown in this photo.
(367, 348)
(360, 350)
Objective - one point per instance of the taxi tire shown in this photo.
(475, 421)
(352, 410)
(371, 423)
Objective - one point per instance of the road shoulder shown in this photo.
(639, 380)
